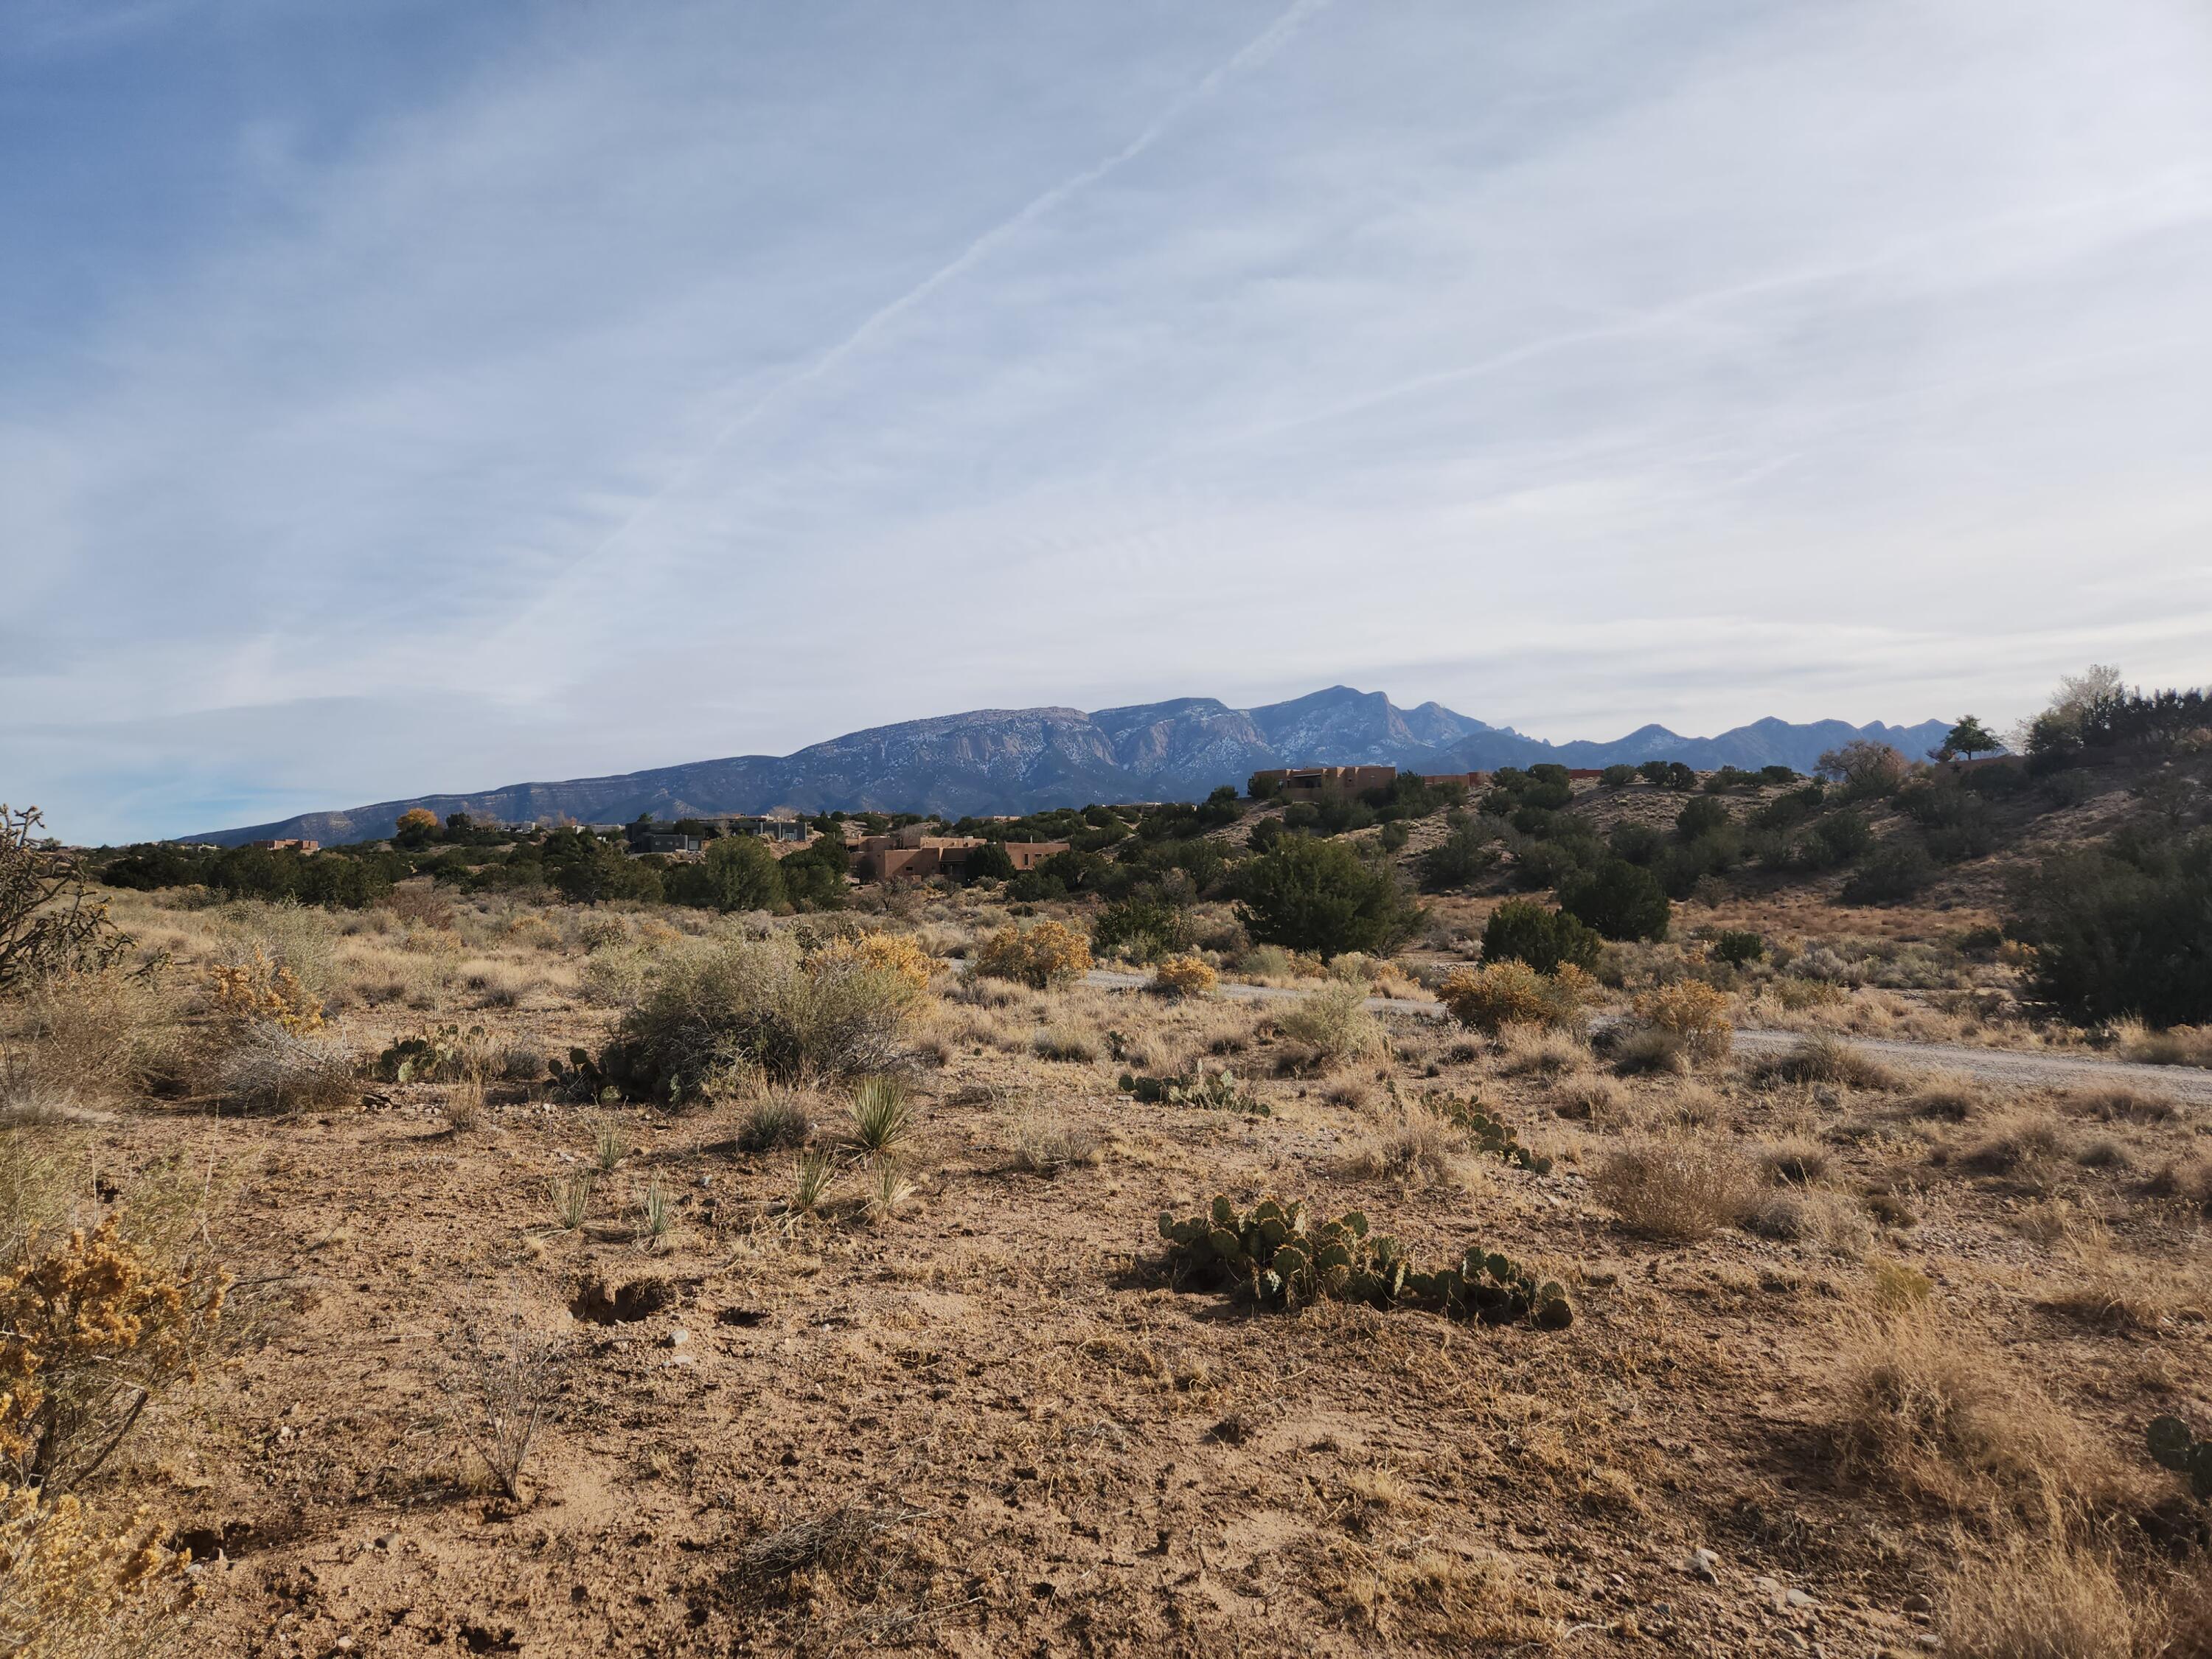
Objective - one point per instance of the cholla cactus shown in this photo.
(264, 993)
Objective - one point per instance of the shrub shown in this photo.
(1045, 1143)
(1692, 1013)
(761, 1004)
(1621, 900)
(1184, 976)
(1823, 1058)
(1075, 1043)
(1333, 1020)
(1320, 895)
(505, 1383)
(1523, 931)
(1282, 1257)
(2045, 1599)
(75, 1586)
(1901, 871)
(90, 1332)
(890, 953)
(1864, 767)
(1677, 1188)
(260, 992)
(2120, 930)
(1836, 839)
(739, 872)
(1502, 994)
(1617, 777)
(1042, 954)
(1467, 852)
(1736, 947)
(1701, 816)
(110, 1031)
(1150, 926)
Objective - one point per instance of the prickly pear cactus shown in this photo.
(1283, 1257)
(2175, 1448)
(1216, 1091)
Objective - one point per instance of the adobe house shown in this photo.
(1296, 783)
(909, 855)
(287, 846)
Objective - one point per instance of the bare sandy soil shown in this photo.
(1910, 1329)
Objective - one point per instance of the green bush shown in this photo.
(2125, 929)
(1738, 946)
(1617, 777)
(738, 873)
(1618, 900)
(1836, 839)
(1520, 930)
(1152, 927)
(1320, 895)
(1700, 815)
(1901, 871)
(1467, 853)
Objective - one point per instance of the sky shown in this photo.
(402, 397)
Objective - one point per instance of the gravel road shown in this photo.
(1988, 1065)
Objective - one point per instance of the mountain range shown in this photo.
(1021, 760)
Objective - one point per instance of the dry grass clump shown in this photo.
(495, 984)
(269, 1068)
(771, 1122)
(1045, 1142)
(2020, 1145)
(1793, 1163)
(1539, 1050)
(1422, 1148)
(1331, 1023)
(1676, 1188)
(1042, 955)
(2045, 1598)
(1826, 1058)
(1693, 1014)
(1942, 1417)
(1952, 1099)
(1796, 1215)
(1077, 1044)
(1184, 976)
(2120, 1104)
(2180, 1045)
(1594, 1097)
(761, 1005)
(75, 1586)
(109, 1034)
(1498, 994)
(2188, 1180)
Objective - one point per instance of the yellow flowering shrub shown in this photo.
(89, 1334)
(1693, 1013)
(1511, 993)
(1184, 976)
(893, 953)
(72, 1587)
(1042, 955)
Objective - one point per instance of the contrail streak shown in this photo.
(1261, 46)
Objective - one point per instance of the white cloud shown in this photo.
(653, 384)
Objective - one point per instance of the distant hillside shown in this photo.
(1019, 760)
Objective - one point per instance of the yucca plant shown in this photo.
(882, 1121)
(610, 1146)
(888, 1189)
(812, 1175)
(571, 1199)
(656, 1214)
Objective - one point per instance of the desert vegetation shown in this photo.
(1447, 1225)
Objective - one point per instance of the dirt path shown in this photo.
(1988, 1065)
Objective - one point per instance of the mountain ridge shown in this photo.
(1019, 760)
